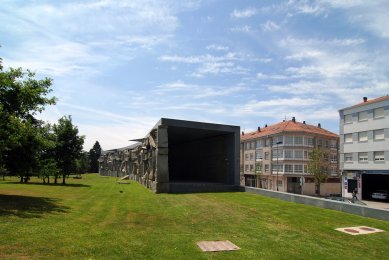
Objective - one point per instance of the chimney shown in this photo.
(304, 122)
(364, 99)
(242, 132)
(266, 125)
(259, 129)
(319, 125)
(293, 119)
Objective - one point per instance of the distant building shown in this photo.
(278, 155)
(364, 147)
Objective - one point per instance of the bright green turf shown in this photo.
(91, 219)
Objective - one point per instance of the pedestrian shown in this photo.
(355, 192)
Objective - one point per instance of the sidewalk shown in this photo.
(376, 204)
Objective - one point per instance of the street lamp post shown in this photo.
(277, 162)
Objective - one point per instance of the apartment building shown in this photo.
(364, 147)
(276, 157)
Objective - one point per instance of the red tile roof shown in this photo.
(288, 126)
(369, 102)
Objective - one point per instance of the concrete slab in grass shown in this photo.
(216, 246)
(361, 230)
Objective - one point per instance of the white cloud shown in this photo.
(191, 91)
(243, 13)
(371, 15)
(214, 65)
(270, 26)
(244, 29)
(217, 47)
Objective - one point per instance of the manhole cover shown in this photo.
(215, 246)
(359, 230)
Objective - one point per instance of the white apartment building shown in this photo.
(364, 147)
(276, 157)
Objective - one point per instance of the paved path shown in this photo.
(376, 204)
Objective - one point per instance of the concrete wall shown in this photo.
(325, 189)
(324, 203)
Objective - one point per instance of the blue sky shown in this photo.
(119, 66)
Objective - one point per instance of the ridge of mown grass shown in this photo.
(91, 219)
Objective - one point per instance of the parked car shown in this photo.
(347, 200)
(380, 195)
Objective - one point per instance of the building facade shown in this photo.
(364, 147)
(179, 156)
(276, 157)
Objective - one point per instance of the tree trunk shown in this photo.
(63, 178)
(48, 179)
(55, 179)
(318, 188)
(44, 180)
(21, 179)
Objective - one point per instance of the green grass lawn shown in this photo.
(91, 219)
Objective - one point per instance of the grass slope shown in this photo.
(90, 218)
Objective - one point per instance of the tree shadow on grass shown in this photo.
(29, 207)
(49, 184)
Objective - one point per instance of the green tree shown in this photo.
(22, 96)
(82, 163)
(94, 155)
(68, 146)
(318, 167)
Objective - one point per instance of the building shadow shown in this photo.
(29, 207)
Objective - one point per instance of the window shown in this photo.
(247, 146)
(362, 116)
(253, 145)
(305, 168)
(276, 140)
(266, 155)
(288, 168)
(379, 112)
(379, 134)
(278, 167)
(258, 167)
(310, 141)
(334, 158)
(319, 142)
(246, 156)
(298, 140)
(288, 140)
(279, 183)
(333, 144)
(277, 154)
(246, 168)
(348, 157)
(298, 168)
(266, 167)
(251, 168)
(379, 156)
(306, 155)
(362, 136)
(288, 154)
(348, 138)
(326, 144)
(362, 157)
(258, 155)
(298, 154)
(348, 119)
(334, 171)
(259, 143)
(251, 156)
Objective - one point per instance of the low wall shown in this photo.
(324, 203)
